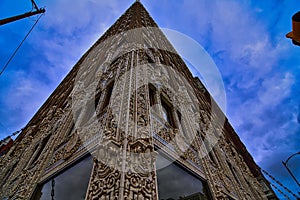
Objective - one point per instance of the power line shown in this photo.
(279, 183)
(13, 55)
(22, 16)
(274, 186)
(13, 134)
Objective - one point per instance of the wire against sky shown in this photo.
(15, 52)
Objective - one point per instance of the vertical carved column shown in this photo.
(140, 180)
(106, 175)
(105, 182)
(124, 168)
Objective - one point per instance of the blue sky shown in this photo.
(246, 39)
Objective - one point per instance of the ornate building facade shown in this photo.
(130, 121)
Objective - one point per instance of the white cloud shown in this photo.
(69, 16)
(24, 96)
(275, 89)
(262, 104)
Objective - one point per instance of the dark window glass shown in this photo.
(212, 158)
(184, 132)
(39, 149)
(151, 95)
(149, 59)
(70, 184)
(230, 198)
(65, 105)
(97, 99)
(108, 95)
(71, 130)
(233, 172)
(167, 112)
(179, 116)
(176, 183)
(209, 150)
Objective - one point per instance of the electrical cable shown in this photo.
(13, 134)
(13, 55)
(274, 186)
(279, 183)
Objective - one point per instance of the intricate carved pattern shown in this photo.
(21, 182)
(106, 175)
(67, 150)
(124, 129)
(140, 186)
(162, 129)
(193, 156)
(104, 183)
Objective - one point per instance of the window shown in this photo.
(167, 112)
(184, 132)
(232, 169)
(97, 99)
(70, 184)
(212, 158)
(179, 116)
(152, 92)
(230, 198)
(209, 149)
(149, 59)
(175, 182)
(39, 149)
(65, 105)
(71, 130)
(108, 95)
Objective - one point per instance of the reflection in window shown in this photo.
(152, 94)
(233, 172)
(70, 184)
(176, 183)
(108, 95)
(39, 149)
(71, 130)
(97, 99)
(149, 59)
(167, 112)
(209, 149)
(184, 132)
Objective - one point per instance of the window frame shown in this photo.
(206, 188)
(60, 171)
(168, 107)
(108, 93)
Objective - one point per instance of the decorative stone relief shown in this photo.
(126, 130)
(104, 183)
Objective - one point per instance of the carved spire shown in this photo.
(134, 17)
